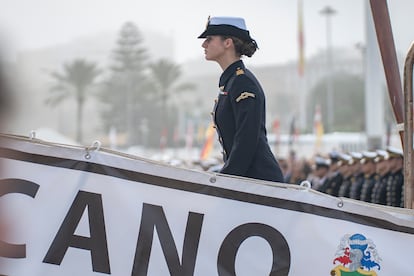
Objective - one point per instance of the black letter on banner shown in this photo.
(19, 186)
(97, 243)
(230, 246)
(153, 215)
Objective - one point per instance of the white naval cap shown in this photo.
(227, 20)
(227, 25)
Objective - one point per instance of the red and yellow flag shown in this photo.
(208, 144)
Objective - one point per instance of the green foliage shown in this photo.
(129, 55)
(136, 96)
(163, 75)
(74, 82)
(124, 91)
(163, 82)
(138, 91)
(163, 87)
(76, 77)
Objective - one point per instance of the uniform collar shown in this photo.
(230, 71)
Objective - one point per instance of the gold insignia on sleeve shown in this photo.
(239, 71)
(245, 95)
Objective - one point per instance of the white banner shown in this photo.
(74, 211)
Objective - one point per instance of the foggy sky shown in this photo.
(27, 24)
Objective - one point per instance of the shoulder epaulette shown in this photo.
(239, 71)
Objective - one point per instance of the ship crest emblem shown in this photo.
(356, 256)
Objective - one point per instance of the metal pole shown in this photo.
(385, 38)
(328, 12)
(382, 23)
(408, 130)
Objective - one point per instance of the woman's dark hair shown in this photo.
(247, 48)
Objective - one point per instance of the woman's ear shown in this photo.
(228, 42)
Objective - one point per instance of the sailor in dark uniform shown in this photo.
(335, 179)
(345, 170)
(239, 113)
(369, 169)
(358, 176)
(395, 183)
(379, 191)
(319, 173)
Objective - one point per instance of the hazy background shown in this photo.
(38, 24)
(40, 36)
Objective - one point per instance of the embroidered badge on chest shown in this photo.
(245, 95)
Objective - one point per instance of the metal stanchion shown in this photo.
(408, 129)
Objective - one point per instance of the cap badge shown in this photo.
(208, 21)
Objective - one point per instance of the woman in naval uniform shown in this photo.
(239, 113)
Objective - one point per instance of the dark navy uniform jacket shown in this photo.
(239, 115)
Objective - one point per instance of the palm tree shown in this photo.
(75, 80)
(164, 76)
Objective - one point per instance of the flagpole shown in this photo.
(329, 12)
(301, 68)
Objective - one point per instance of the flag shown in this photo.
(208, 144)
(301, 40)
(318, 126)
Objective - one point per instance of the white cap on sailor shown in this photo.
(227, 20)
(226, 25)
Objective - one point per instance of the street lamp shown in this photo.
(328, 12)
